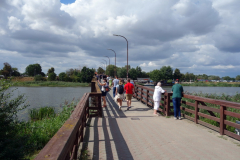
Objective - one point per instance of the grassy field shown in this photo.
(50, 84)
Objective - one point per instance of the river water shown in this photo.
(55, 97)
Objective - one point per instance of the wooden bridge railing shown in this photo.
(219, 111)
(65, 143)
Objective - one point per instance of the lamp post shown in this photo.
(115, 60)
(127, 50)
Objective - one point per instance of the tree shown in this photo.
(166, 72)
(15, 72)
(177, 74)
(122, 72)
(182, 77)
(51, 70)
(7, 69)
(38, 77)
(155, 75)
(33, 69)
(86, 75)
(100, 70)
(62, 76)
(238, 77)
(144, 75)
(110, 70)
(226, 78)
(139, 72)
(133, 74)
(52, 77)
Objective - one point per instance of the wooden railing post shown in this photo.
(222, 118)
(147, 97)
(99, 100)
(196, 112)
(93, 89)
(167, 103)
(141, 95)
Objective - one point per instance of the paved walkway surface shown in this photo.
(137, 134)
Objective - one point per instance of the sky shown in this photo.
(196, 36)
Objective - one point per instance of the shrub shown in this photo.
(12, 145)
(43, 112)
(51, 76)
(38, 77)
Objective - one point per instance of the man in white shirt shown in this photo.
(115, 83)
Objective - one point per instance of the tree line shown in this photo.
(83, 75)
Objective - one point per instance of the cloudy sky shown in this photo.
(197, 36)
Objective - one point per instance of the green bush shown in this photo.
(38, 77)
(12, 145)
(51, 76)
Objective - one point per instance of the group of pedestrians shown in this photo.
(177, 91)
(120, 91)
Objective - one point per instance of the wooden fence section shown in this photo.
(65, 143)
(200, 108)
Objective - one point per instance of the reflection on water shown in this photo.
(218, 90)
(48, 96)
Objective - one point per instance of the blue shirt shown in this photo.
(115, 82)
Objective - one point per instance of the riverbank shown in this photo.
(212, 84)
(50, 84)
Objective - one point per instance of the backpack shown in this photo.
(120, 89)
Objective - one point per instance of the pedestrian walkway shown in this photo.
(137, 134)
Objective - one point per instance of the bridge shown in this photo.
(107, 133)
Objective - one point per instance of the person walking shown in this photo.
(119, 93)
(110, 81)
(129, 89)
(177, 91)
(157, 97)
(104, 93)
(115, 83)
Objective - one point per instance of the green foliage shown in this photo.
(40, 113)
(51, 76)
(155, 75)
(166, 72)
(177, 74)
(86, 75)
(51, 70)
(110, 70)
(122, 72)
(100, 70)
(38, 77)
(12, 145)
(33, 69)
(133, 74)
(62, 76)
(212, 84)
(41, 131)
(238, 77)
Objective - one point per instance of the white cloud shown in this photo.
(143, 65)
(151, 64)
(223, 67)
(14, 23)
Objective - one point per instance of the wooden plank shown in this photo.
(235, 125)
(196, 112)
(143, 100)
(150, 94)
(232, 134)
(150, 104)
(209, 108)
(144, 92)
(209, 117)
(237, 115)
(222, 118)
(187, 110)
(209, 125)
(146, 88)
(144, 96)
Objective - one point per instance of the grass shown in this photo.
(43, 112)
(51, 84)
(235, 98)
(212, 84)
(39, 131)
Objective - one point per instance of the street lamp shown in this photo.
(115, 60)
(127, 50)
(108, 58)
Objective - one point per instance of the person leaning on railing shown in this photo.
(104, 93)
(157, 97)
(177, 91)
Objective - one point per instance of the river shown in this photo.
(38, 97)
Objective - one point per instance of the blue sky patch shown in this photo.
(67, 1)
